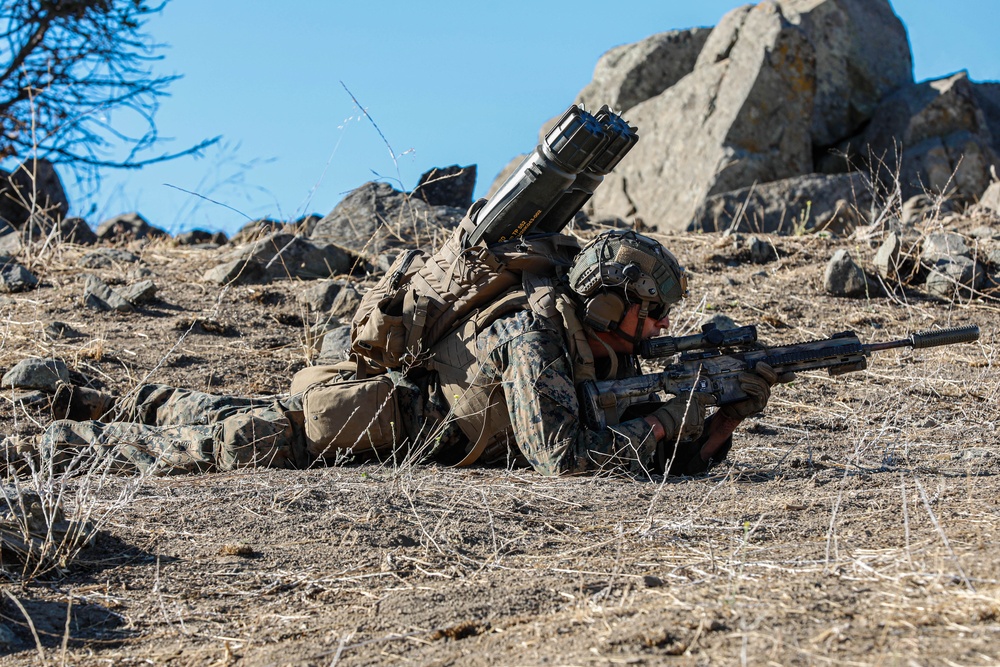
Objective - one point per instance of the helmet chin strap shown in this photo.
(636, 336)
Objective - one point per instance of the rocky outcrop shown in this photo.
(728, 124)
(813, 202)
(862, 55)
(281, 255)
(128, 227)
(376, 216)
(449, 186)
(33, 188)
(633, 73)
(935, 135)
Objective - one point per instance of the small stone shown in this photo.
(61, 330)
(16, 278)
(106, 258)
(36, 373)
(347, 301)
(762, 251)
(336, 344)
(887, 258)
(320, 296)
(97, 295)
(844, 277)
(140, 293)
(954, 276)
(236, 272)
(943, 244)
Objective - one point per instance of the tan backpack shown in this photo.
(421, 298)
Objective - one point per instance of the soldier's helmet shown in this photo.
(621, 267)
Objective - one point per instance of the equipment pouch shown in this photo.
(381, 337)
(356, 416)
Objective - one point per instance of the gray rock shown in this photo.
(200, 236)
(16, 278)
(942, 132)
(76, 230)
(762, 251)
(991, 198)
(283, 255)
(138, 273)
(128, 226)
(633, 73)
(236, 272)
(726, 125)
(306, 224)
(58, 330)
(35, 373)
(106, 258)
(920, 208)
(256, 229)
(376, 217)
(319, 296)
(843, 277)
(887, 259)
(862, 55)
(988, 99)
(7, 636)
(140, 293)
(721, 322)
(449, 186)
(336, 344)
(943, 244)
(985, 233)
(97, 295)
(956, 276)
(346, 303)
(793, 205)
(33, 186)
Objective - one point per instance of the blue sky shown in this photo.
(447, 82)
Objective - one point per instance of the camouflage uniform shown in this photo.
(163, 430)
(527, 354)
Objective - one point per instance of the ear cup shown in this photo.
(604, 311)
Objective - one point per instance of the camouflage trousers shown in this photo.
(162, 430)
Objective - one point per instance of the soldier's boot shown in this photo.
(80, 403)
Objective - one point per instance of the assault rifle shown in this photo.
(716, 359)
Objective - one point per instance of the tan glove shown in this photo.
(757, 385)
(682, 416)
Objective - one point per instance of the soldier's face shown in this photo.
(650, 327)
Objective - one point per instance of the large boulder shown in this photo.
(376, 216)
(448, 186)
(743, 119)
(862, 55)
(988, 98)
(128, 227)
(282, 255)
(932, 136)
(792, 205)
(33, 188)
(633, 73)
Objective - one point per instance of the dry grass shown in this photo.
(854, 524)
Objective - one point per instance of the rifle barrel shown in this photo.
(931, 338)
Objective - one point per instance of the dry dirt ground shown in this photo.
(854, 524)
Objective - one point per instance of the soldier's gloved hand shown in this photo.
(683, 415)
(757, 385)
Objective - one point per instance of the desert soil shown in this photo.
(854, 523)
